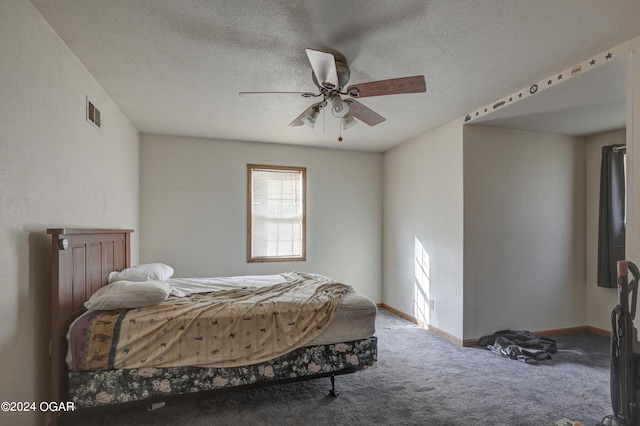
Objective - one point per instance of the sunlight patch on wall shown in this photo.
(421, 298)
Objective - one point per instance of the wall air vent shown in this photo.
(93, 114)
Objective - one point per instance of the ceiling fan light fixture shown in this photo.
(348, 122)
(330, 73)
(310, 118)
(339, 108)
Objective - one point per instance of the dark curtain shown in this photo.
(611, 232)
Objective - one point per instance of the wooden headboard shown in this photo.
(80, 263)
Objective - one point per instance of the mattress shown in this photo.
(355, 318)
(352, 318)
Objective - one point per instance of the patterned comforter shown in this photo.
(226, 328)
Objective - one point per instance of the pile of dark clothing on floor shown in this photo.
(521, 345)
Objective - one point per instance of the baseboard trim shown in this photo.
(556, 332)
(600, 331)
(474, 342)
(397, 312)
(470, 342)
(422, 324)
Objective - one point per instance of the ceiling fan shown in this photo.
(331, 75)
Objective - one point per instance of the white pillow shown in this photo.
(149, 271)
(128, 294)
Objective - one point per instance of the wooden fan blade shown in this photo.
(394, 86)
(363, 113)
(303, 94)
(324, 67)
(298, 121)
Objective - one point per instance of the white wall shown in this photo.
(194, 201)
(600, 300)
(524, 242)
(56, 170)
(633, 156)
(423, 200)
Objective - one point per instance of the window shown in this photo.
(276, 213)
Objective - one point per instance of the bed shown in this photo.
(109, 368)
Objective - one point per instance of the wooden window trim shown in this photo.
(267, 259)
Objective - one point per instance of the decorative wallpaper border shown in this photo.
(559, 78)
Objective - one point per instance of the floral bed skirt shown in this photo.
(104, 387)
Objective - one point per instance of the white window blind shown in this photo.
(277, 213)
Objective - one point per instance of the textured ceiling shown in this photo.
(176, 67)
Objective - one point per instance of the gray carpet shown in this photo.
(421, 379)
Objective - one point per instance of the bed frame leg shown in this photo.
(333, 392)
(155, 406)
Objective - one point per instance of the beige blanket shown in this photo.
(220, 329)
